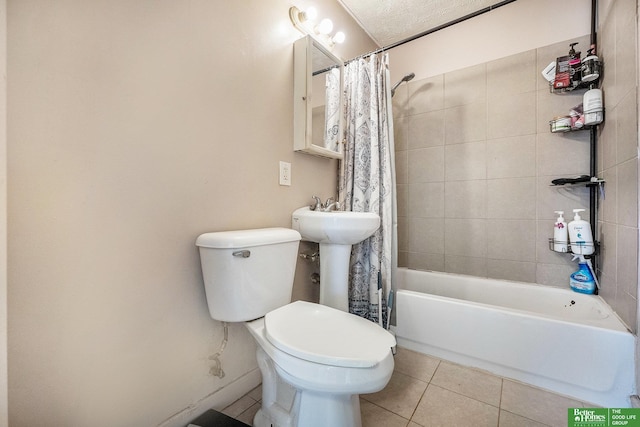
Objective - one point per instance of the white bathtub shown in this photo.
(557, 339)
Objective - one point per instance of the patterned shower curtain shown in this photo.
(367, 181)
(332, 110)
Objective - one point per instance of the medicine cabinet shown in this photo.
(318, 120)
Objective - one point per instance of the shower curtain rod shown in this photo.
(433, 30)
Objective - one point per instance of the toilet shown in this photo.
(328, 356)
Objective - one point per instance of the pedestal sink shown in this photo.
(335, 231)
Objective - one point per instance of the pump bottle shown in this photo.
(580, 235)
(560, 235)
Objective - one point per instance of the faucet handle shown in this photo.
(317, 205)
(328, 202)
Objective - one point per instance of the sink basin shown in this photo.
(335, 232)
(335, 227)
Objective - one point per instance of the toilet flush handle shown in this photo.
(244, 254)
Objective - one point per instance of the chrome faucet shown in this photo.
(335, 206)
(317, 206)
(328, 203)
(331, 205)
(328, 206)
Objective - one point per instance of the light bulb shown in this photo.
(310, 14)
(325, 26)
(339, 37)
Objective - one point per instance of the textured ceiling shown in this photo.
(389, 21)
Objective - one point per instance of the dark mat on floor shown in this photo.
(213, 418)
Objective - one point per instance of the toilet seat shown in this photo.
(327, 336)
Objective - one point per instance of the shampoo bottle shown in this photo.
(592, 106)
(560, 235)
(580, 235)
(583, 280)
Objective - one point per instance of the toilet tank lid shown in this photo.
(247, 238)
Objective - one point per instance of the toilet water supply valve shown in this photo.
(216, 369)
(313, 256)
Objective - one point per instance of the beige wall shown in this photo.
(517, 27)
(134, 127)
(3, 216)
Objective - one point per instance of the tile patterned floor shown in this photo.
(425, 391)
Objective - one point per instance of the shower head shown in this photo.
(404, 79)
(408, 77)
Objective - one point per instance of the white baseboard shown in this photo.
(217, 400)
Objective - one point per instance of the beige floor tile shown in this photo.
(239, 406)
(247, 416)
(469, 382)
(507, 419)
(256, 393)
(400, 396)
(416, 365)
(457, 396)
(375, 416)
(441, 407)
(536, 404)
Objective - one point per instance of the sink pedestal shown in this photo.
(334, 275)
(335, 231)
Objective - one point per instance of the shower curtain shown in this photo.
(332, 110)
(367, 182)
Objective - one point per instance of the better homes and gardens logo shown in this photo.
(604, 417)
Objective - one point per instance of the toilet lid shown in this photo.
(325, 335)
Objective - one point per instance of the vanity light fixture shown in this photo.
(324, 27)
(300, 16)
(304, 21)
(338, 37)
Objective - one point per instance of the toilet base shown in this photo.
(321, 409)
(309, 409)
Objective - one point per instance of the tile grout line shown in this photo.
(500, 400)
(424, 392)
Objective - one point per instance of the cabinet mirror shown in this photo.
(317, 107)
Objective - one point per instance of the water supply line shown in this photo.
(216, 369)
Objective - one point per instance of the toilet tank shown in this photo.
(248, 273)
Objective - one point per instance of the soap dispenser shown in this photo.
(575, 66)
(580, 235)
(560, 235)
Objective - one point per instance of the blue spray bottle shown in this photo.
(583, 280)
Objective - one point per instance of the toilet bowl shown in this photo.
(329, 358)
(327, 355)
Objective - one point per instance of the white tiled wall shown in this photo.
(618, 158)
(475, 159)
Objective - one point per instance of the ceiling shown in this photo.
(390, 21)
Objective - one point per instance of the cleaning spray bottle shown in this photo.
(580, 235)
(583, 280)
